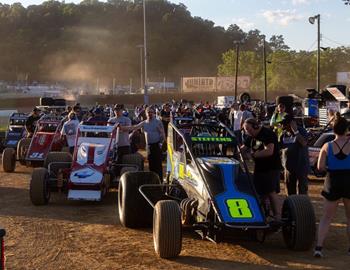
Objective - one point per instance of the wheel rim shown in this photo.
(155, 230)
(120, 201)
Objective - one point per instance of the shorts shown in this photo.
(267, 182)
(336, 186)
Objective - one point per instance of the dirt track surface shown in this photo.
(80, 235)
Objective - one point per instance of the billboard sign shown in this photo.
(343, 78)
(194, 84)
(217, 84)
(228, 83)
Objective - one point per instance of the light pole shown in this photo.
(146, 101)
(312, 21)
(264, 65)
(236, 69)
(141, 66)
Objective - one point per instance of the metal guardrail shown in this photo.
(2, 249)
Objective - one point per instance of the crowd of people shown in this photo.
(276, 144)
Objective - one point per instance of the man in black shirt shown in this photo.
(265, 151)
(31, 122)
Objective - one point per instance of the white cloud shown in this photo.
(244, 23)
(282, 17)
(299, 2)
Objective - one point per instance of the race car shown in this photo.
(209, 189)
(33, 151)
(88, 175)
(2, 249)
(16, 130)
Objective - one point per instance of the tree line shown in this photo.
(76, 43)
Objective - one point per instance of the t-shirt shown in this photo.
(165, 118)
(70, 130)
(237, 117)
(152, 130)
(246, 115)
(295, 156)
(31, 123)
(264, 138)
(122, 137)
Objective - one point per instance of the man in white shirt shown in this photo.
(69, 130)
(122, 137)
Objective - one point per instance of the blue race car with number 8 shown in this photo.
(208, 188)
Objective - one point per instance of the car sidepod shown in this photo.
(232, 191)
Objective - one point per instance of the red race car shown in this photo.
(89, 174)
(33, 151)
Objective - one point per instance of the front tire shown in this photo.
(22, 148)
(300, 228)
(167, 234)
(9, 160)
(39, 187)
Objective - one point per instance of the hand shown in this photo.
(293, 126)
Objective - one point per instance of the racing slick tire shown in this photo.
(57, 157)
(300, 223)
(9, 160)
(134, 210)
(46, 101)
(39, 190)
(167, 229)
(22, 148)
(135, 159)
(244, 97)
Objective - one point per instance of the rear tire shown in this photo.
(167, 234)
(244, 97)
(300, 228)
(134, 210)
(22, 148)
(39, 187)
(57, 157)
(135, 159)
(9, 160)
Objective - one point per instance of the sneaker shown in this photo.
(318, 252)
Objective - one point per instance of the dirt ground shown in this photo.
(80, 235)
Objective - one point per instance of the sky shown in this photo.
(273, 17)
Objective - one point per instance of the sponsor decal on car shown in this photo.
(211, 139)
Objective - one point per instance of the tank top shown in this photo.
(336, 164)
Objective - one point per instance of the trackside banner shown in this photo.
(217, 84)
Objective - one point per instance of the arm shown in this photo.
(299, 137)
(266, 152)
(161, 131)
(131, 128)
(322, 158)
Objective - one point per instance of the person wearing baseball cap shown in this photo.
(31, 121)
(295, 157)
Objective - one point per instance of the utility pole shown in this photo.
(264, 65)
(318, 53)
(141, 66)
(312, 21)
(146, 100)
(236, 69)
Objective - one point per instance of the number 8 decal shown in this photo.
(239, 208)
